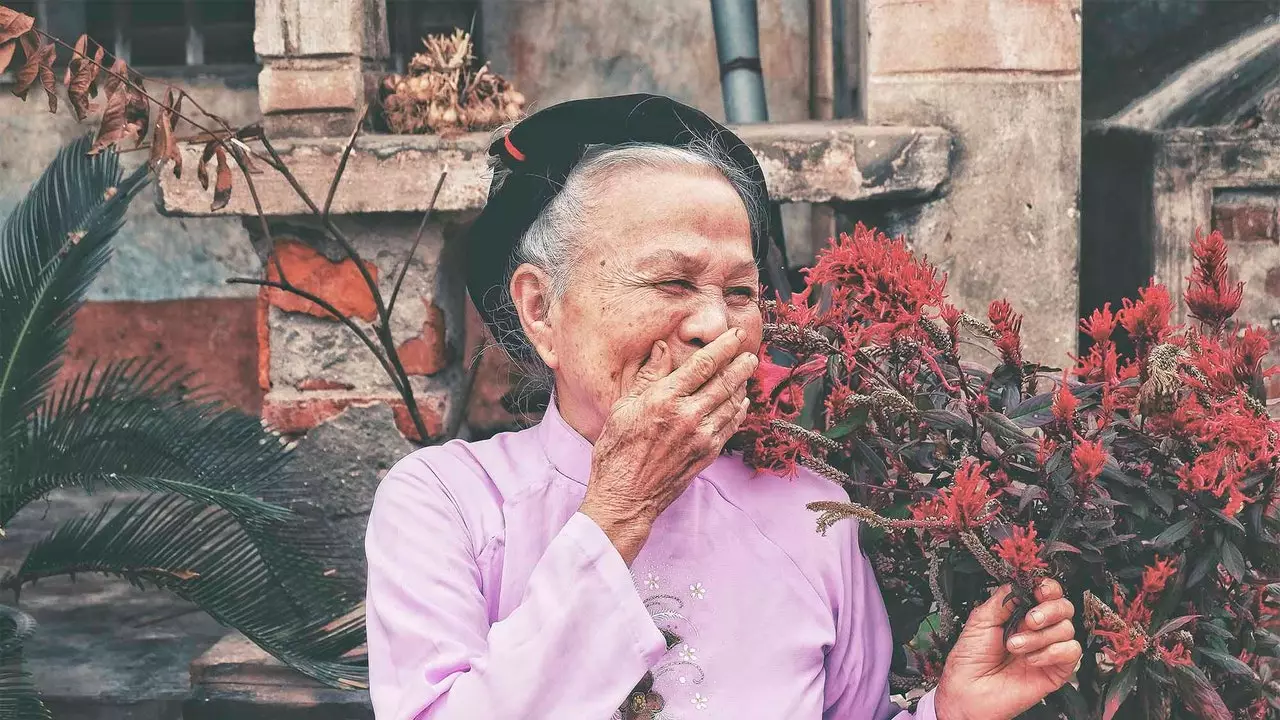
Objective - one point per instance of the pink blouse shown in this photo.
(491, 597)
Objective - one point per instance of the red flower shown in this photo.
(969, 495)
(1008, 327)
(1099, 325)
(964, 503)
(1176, 655)
(1155, 577)
(1122, 645)
(1210, 296)
(1065, 403)
(1021, 550)
(1087, 459)
(951, 316)
(1147, 320)
(1044, 449)
(877, 281)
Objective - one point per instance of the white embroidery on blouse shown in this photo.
(689, 654)
(652, 581)
(697, 591)
(699, 701)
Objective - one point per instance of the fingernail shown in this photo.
(738, 333)
(1017, 641)
(753, 361)
(1037, 617)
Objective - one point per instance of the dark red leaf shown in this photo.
(1199, 694)
(14, 24)
(115, 126)
(1118, 691)
(222, 185)
(161, 134)
(1174, 624)
(48, 53)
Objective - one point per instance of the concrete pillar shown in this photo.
(1004, 77)
(320, 61)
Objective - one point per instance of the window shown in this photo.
(409, 20)
(155, 34)
(174, 33)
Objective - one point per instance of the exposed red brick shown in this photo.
(214, 337)
(338, 283)
(1246, 222)
(432, 417)
(293, 417)
(264, 340)
(426, 354)
(1272, 283)
(313, 383)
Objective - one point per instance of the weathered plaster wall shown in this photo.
(1004, 77)
(163, 293)
(561, 49)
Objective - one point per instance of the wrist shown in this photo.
(626, 531)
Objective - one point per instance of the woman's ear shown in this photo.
(531, 293)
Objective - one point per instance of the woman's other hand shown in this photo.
(986, 678)
(670, 426)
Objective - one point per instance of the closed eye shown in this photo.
(743, 291)
(678, 285)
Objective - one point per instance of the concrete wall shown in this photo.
(164, 291)
(1004, 77)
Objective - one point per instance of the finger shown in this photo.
(727, 430)
(706, 362)
(996, 611)
(729, 383)
(1028, 642)
(1063, 654)
(1048, 589)
(655, 367)
(1048, 614)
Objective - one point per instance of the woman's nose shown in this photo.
(704, 323)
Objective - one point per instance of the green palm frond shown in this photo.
(19, 699)
(203, 554)
(51, 249)
(135, 425)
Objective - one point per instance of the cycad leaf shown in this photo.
(204, 555)
(19, 699)
(51, 249)
(135, 425)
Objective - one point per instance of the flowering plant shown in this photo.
(1147, 484)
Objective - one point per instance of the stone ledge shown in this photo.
(833, 161)
(235, 678)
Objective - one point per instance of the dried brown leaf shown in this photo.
(6, 53)
(243, 156)
(202, 167)
(76, 54)
(48, 53)
(137, 111)
(161, 135)
(30, 70)
(222, 186)
(82, 73)
(115, 77)
(14, 24)
(114, 127)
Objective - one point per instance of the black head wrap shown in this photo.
(543, 149)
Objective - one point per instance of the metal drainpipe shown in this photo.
(742, 85)
(738, 47)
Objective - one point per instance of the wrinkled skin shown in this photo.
(651, 347)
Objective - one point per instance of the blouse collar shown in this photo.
(566, 449)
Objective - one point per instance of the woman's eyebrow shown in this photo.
(668, 259)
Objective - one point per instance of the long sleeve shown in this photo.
(857, 684)
(578, 641)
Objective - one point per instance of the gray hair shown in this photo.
(551, 242)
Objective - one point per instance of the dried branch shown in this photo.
(342, 162)
(417, 238)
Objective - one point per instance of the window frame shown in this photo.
(72, 21)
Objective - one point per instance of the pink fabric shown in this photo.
(491, 597)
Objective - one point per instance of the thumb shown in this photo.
(996, 611)
(656, 367)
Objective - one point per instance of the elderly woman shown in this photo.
(611, 561)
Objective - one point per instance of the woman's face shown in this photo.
(665, 255)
